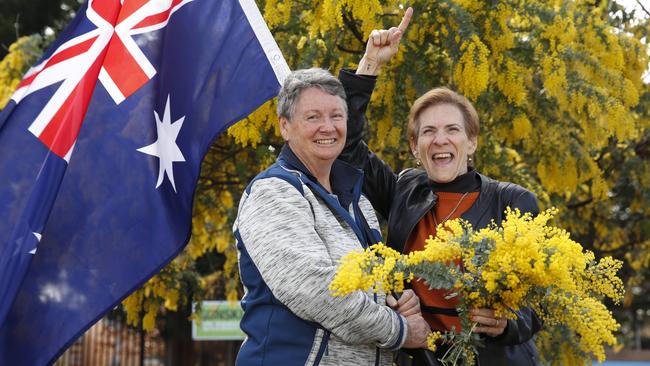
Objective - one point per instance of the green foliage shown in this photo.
(435, 275)
(24, 17)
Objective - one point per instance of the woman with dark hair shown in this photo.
(443, 130)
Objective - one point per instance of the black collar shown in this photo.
(468, 182)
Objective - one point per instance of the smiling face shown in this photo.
(442, 143)
(316, 132)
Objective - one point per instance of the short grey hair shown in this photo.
(300, 80)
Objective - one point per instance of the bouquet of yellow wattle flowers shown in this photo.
(523, 263)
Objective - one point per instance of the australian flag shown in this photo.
(100, 151)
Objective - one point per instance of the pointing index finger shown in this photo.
(406, 19)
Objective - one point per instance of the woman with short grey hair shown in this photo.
(296, 220)
(300, 80)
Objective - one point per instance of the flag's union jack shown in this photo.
(108, 53)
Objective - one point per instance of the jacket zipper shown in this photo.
(377, 357)
(322, 350)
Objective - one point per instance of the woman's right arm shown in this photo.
(380, 180)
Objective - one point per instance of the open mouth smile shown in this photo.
(442, 158)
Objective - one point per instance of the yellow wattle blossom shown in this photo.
(277, 12)
(498, 34)
(512, 80)
(558, 176)
(555, 82)
(360, 271)
(525, 262)
(301, 42)
(472, 72)
(619, 122)
(432, 339)
(248, 131)
(561, 32)
(22, 54)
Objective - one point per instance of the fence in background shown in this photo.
(110, 342)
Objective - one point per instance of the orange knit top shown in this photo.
(439, 312)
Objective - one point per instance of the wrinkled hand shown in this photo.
(417, 332)
(488, 322)
(407, 305)
(382, 45)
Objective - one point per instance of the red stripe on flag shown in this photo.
(157, 18)
(66, 54)
(123, 68)
(62, 131)
(107, 9)
(130, 7)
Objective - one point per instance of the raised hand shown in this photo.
(382, 45)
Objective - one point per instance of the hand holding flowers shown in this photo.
(488, 322)
(408, 305)
(497, 271)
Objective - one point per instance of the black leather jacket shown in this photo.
(405, 198)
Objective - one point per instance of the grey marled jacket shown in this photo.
(291, 235)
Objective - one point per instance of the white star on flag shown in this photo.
(165, 147)
(38, 237)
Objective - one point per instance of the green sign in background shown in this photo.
(219, 320)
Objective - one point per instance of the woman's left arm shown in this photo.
(524, 200)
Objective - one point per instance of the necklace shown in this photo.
(435, 221)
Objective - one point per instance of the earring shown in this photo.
(417, 160)
(469, 161)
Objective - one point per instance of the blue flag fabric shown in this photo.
(100, 151)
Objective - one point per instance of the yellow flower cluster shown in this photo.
(436, 250)
(277, 12)
(511, 79)
(22, 54)
(353, 274)
(472, 72)
(159, 292)
(525, 262)
(592, 323)
(327, 15)
(563, 353)
(375, 268)
(249, 130)
(521, 127)
(560, 175)
(555, 82)
(498, 33)
(432, 339)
